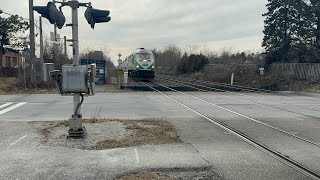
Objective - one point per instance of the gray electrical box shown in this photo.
(47, 68)
(75, 79)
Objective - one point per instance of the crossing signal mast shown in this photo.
(75, 79)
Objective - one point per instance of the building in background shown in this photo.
(11, 59)
(11, 63)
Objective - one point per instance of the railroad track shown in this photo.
(216, 85)
(202, 87)
(273, 152)
(234, 88)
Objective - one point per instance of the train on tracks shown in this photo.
(139, 65)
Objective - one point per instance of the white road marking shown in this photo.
(12, 107)
(19, 140)
(5, 105)
(137, 156)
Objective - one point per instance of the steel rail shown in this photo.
(277, 155)
(257, 103)
(246, 117)
(238, 87)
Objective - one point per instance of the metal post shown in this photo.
(24, 78)
(76, 119)
(232, 77)
(32, 41)
(41, 45)
(55, 49)
(24, 72)
(65, 45)
(55, 33)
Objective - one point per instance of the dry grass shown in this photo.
(9, 85)
(248, 76)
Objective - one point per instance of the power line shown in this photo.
(3, 12)
(10, 14)
(7, 13)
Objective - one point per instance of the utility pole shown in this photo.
(32, 42)
(41, 44)
(55, 48)
(55, 43)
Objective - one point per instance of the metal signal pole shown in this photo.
(77, 117)
(75, 39)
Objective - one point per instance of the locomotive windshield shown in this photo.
(144, 55)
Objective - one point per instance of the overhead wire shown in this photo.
(35, 21)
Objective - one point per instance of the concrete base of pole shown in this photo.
(74, 123)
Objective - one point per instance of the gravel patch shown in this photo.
(209, 174)
(107, 134)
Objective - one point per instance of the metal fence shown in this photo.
(301, 71)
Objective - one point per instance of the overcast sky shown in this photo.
(210, 24)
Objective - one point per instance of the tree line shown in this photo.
(175, 60)
(292, 31)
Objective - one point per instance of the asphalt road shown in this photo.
(204, 144)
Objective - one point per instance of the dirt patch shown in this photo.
(107, 134)
(208, 174)
(144, 175)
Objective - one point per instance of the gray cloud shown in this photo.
(157, 23)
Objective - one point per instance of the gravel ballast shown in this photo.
(108, 134)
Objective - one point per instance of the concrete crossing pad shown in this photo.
(61, 163)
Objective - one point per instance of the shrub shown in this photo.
(192, 63)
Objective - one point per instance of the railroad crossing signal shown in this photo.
(94, 16)
(55, 16)
(51, 13)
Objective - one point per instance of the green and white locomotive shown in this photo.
(140, 64)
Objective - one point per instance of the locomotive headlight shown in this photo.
(137, 66)
(152, 66)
